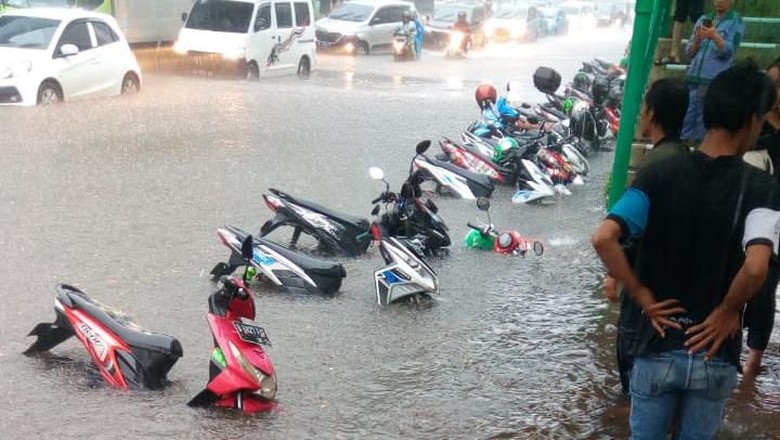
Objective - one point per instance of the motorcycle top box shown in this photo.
(126, 355)
(547, 80)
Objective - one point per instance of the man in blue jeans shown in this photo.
(707, 225)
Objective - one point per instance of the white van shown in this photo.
(262, 37)
(581, 14)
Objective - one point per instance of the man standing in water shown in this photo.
(707, 229)
(660, 121)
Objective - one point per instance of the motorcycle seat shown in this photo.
(346, 218)
(308, 264)
(121, 325)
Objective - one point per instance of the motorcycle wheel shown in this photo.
(538, 248)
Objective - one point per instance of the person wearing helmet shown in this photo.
(462, 25)
(408, 29)
(504, 147)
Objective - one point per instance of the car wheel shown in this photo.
(130, 84)
(252, 71)
(361, 49)
(304, 68)
(49, 93)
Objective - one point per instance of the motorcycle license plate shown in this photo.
(250, 332)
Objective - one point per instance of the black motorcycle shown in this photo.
(335, 232)
(406, 215)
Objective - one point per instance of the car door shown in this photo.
(77, 73)
(282, 58)
(383, 24)
(303, 42)
(262, 37)
(110, 58)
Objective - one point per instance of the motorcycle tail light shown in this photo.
(273, 203)
(375, 232)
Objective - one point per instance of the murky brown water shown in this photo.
(121, 197)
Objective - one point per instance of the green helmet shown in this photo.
(503, 147)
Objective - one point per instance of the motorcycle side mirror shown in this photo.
(247, 248)
(483, 204)
(376, 173)
(423, 146)
(375, 211)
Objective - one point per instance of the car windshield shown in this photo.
(449, 13)
(27, 32)
(511, 12)
(220, 16)
(351, 12)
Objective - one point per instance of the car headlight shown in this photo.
(16, 70)
(267, 383)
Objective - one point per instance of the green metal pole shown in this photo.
(658, 21)
(638, 69)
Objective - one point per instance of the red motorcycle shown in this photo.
(125, 355)
(241, 375)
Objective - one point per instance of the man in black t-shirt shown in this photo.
(708, 224)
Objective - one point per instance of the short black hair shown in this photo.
(668, 98)
(736, 95)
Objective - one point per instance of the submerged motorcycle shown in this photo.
(452, 179)
(406, 275)
(289, 270)
(486, 237)
(335, 232)
(241, 375)
(405, 213)
(126, 355)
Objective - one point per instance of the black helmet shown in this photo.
(406, 16)
(462, 15)
(582, 82)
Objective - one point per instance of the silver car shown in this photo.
(359, 27)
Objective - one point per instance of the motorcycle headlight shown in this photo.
(16, 70)
(267, 383)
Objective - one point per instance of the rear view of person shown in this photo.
(708, 228)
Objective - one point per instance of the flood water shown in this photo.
(121, 197)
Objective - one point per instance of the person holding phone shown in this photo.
(711, 48)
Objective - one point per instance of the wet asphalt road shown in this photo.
(122, 196)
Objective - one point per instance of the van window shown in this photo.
(220, 16)
(263, 19)
(302, 14)
(283, 15)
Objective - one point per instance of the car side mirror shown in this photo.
(184, 17)
(68, 49)
(260, 24)
(373, 21)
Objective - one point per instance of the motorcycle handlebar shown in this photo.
(376, 200)
(473, 226)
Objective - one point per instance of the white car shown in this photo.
(51, 55)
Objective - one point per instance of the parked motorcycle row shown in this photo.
(536, 148)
